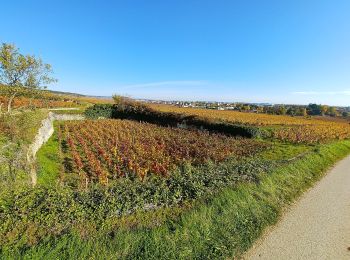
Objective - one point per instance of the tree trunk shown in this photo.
(9, 105)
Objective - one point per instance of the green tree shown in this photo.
(332, 111)
(246, 108)
(324, 109)
(346, 114)
(291, 111)
(282, 110)
(314, 109)
(22, 73)
(302, 111)
(260, 109)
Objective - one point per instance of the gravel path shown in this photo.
(316, 227)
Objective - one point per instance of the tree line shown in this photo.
(296, 110)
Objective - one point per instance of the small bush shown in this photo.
(99, 111)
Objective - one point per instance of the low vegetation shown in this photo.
(178, 184)
(22, 126)
(109, 149)
(68, 111)
(27, 100)
(17, 131)
(223, 221)
(284, 128)
(129, 109)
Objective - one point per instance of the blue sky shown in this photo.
(254, 51)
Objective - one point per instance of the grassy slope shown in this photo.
(24, 125)
(20, 128)
(224, 226)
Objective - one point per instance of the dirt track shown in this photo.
(317, 226)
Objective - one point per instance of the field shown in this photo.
(109, 149)
(128, 189)
(284, 128)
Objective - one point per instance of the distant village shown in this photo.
(267, 108)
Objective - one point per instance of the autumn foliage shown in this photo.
(284, 128)
(46, 99)
(109, 149)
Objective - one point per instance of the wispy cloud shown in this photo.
(175, 83)
(322, 93)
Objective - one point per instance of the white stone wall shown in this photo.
(45, 132)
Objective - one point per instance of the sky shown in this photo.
(291, 51)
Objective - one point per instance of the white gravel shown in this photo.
(316, 227)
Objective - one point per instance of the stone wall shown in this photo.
(45, 132)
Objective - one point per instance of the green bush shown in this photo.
(99, 111)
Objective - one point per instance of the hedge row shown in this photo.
(141, 112)
(99, 111)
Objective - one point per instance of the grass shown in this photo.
(22, 126)
(32, 123)
(17, 131)
(49, 163)
(70, 112)
(223, 226)
(285, 151)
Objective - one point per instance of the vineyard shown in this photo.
(284, 128)
(51, 101)
(46, 99)
(108, 149)
(240, 117)
(312, 134)
(23, 102)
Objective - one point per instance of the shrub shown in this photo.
(99, 111)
